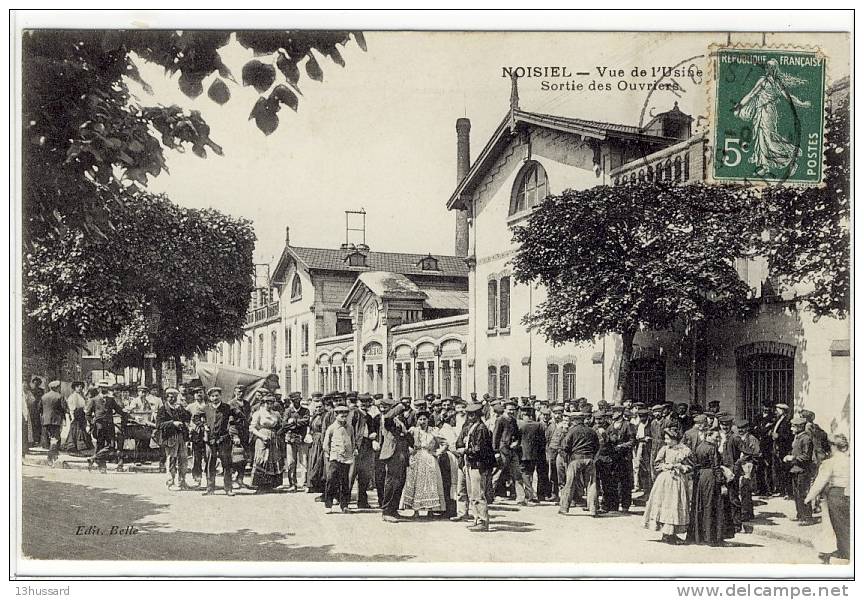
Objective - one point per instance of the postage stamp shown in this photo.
(768, 115)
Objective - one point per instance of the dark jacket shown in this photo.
(165, 418)
(621, 441)
(357, 418)
(802, 453)
(216, 419)
(533, 435)
(581, 441)
(783, 444)
(298, 427)
(505, 434)
(477, 441)
(102, 409)
(53, 408)
(395, 438)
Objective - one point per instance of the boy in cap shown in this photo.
(339, 453)
(217, 415)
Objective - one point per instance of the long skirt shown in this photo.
(838, 514)
(77, 438)
(668, 507)
(424, 487)
(316, 476)
(710, 511)
(269, 464)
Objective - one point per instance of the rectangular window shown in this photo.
(305, 338)
(493, 304)
(457, 377)
(493, 382)
(569, 388)
(288, 341)
(288, 387)
(304, 381)
(552, 385)
(446, 380)
(505, 382)
(504, 292)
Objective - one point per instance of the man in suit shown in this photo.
(365, 429)
(801, 471)
(217, 439)
(555, 432)
(507, 442)
(474, 445)
(100, 412)
(395, 444)
(781, 438)
(296, 418)
(696, 434)
(53, 415)
(533, 455)
(196, 433)
(762, 430)
(750, 456)
(580, 446)
(172, 421)
(620, 438)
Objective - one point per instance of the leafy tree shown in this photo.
(623, 259)
(192, 266)
(87, 140)
(808, 241)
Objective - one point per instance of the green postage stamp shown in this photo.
(768, 115)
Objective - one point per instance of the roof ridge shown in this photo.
(553, 116)
(379, 252)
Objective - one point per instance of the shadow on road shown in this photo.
(52, 511)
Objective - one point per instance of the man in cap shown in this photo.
(339, 454)
(696, 434)
(54, 411)
(172, 423)
(555, 432)
(100, 411)
(533, 457)
(33, 400)
(762, 429)
(620, 437)
(217, 415)
(507, 442)
(580, 446)
(459, 405)
(801, 469)
(683, 417)
(297, 418)
(395, 444)
(656, 427)
(781, 442)
(365, 431)
(241, 429)
(821, 447)
(731, 455)
(474, 445)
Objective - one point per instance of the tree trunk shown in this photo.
(622, 393)
(178, 369)
(148, 374)
(158, 368)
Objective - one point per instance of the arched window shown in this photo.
(667, 170)
(260, 355)
(493, 381)
(249, 351)
(659, 172)
(552, 383)
(296, 287)
(765, 379)
(569, 388)
(288, 340)
(650, 173)
(273, 343)
(687, 166)
(648, 381)
(504, 383)
(429, 263)
(530, 189)
(633, 177)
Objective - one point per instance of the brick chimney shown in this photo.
(287, 236)
(463, 164)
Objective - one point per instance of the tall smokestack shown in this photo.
(463, 163)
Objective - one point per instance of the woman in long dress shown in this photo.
(424, 488)
(710, 507)
(448, 464)
(668, 507)
(268, 465)
(315, 475)
(77, 438)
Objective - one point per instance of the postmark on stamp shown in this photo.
(767, 115)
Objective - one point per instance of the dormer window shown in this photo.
(428, 263)
(296, 288)
(356, 259)
(530, 189)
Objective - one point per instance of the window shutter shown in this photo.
(504, 317)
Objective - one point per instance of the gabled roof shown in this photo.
(593, 129)
(395, 286)
(333, 259)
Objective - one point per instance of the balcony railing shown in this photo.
(673, 164)
(263, 313)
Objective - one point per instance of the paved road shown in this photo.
(292, 527)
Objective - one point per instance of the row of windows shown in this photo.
(672, 170)
(289, 339)
(499, 303)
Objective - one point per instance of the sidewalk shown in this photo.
(772, 514)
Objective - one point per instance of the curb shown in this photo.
(768, 532)
(81, 465)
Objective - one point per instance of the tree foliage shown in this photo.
(808, 241)
(193, 266)
(87, 140)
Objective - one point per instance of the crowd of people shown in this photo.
(696, 471)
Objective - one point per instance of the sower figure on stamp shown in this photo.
(218, 440)
(172, 423)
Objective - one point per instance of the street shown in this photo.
(171, 525)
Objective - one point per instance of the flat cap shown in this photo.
(473, 407)
(216, 389)
(172, 391)
(782, 405)
(340, 408)
(700, 418)
(53, 385)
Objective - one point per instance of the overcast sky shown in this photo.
(380, 134)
